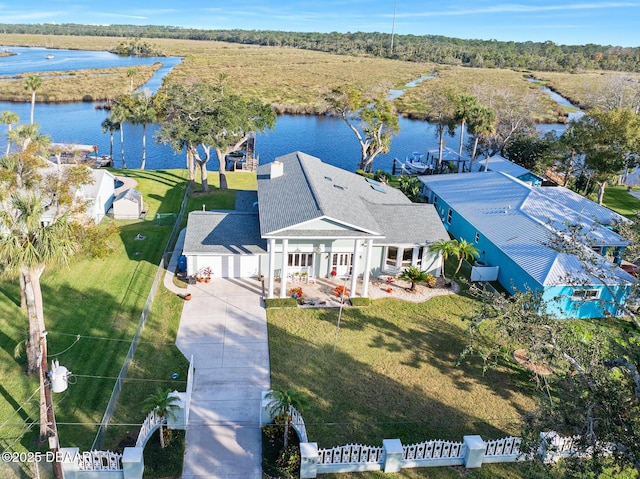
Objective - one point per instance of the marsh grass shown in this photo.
(78, 85)
(471, 80)
(582, 88)
(294, 81)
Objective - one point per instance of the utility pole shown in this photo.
(47, 416)
(393, 25)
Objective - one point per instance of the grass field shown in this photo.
(583, 89)
(77, 85)
(294, 81)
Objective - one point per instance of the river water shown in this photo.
(325, 137)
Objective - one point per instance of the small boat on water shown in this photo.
(49, 57)
(416, 164)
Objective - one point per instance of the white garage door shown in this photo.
(240, 266)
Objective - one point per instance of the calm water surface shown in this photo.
(327, 138)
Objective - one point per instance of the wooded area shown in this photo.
(542, 56)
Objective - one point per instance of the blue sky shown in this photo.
(563, 22)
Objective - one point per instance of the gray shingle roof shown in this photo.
(310, 189)
(410, 224)
(223, 232)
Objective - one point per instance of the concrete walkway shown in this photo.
(224, 327)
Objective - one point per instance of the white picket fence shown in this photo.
(394, 456)
(149, 426)
(100, 461)
(351, 454)
(130, 464)
(433, 450)
(298, 424)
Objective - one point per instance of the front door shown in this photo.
(341, 263)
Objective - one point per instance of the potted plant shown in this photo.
(341, 292)
(296, 293)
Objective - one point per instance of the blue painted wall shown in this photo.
(513, 278)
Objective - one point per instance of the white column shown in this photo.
(272, 267)
(354, 268)
(367, 269)
(285, 268)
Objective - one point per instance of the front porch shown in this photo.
(320, 293)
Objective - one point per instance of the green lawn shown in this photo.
(393, 374)
(618, 199)
(91, 311)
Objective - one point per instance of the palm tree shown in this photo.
(27, 247)
(32, 83)
(131, 73)
(20, 169)
(465, 104)
(481, 124)
(163, 404)
(414, 275)
(9, 118)
(280, 404)
(445, 248)
(143, 112)
(120, 114)
(108, 124)
(464, 250)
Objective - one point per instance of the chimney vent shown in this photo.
(277, 169)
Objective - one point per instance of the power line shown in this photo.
(80, 336)
(130, 379)
(19, 409)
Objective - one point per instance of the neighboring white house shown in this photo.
(314, 218)
(128, 205)
(97, 196)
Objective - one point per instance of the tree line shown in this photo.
(543, 56)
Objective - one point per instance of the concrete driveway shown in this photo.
(224, 327)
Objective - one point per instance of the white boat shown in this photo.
(416, 164)
(49, 57)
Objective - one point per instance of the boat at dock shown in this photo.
(419, 164)
(416, 164)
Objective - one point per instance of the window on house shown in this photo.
(435, 202)
(407, 257)
(419, 255)
(585, 294)
(449, 214)
(477, 237)
(300, 260)
(391, 261)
